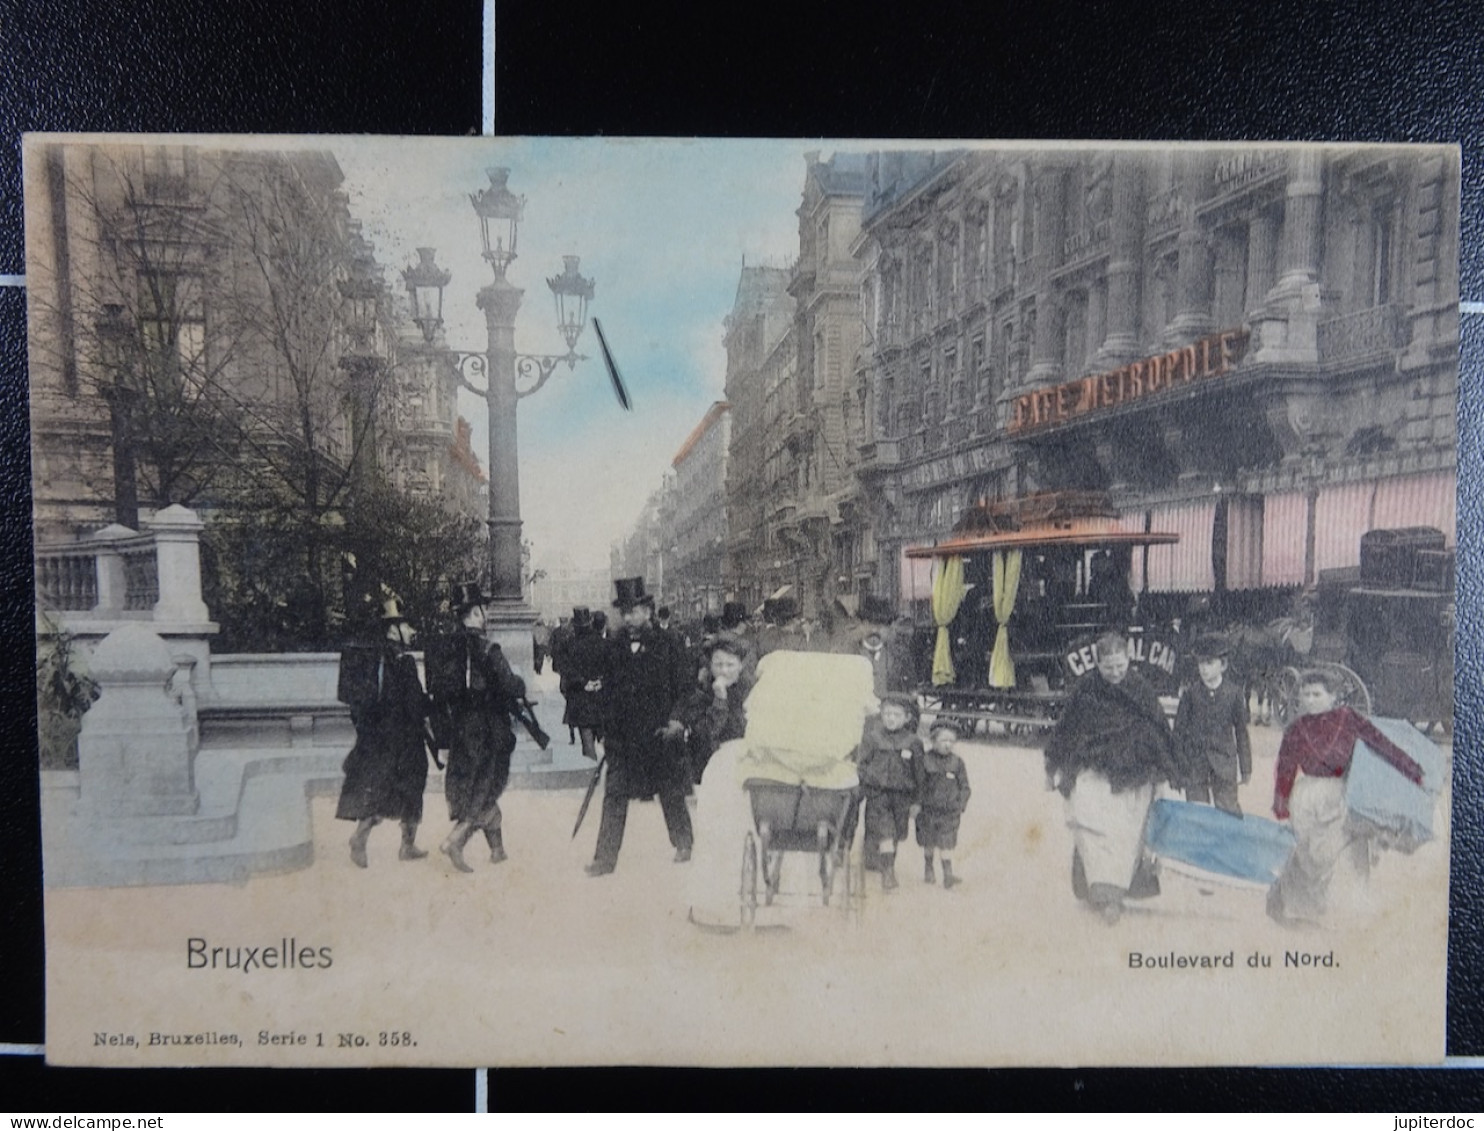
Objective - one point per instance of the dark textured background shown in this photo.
(1404, 71)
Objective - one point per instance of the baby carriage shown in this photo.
(788, 788)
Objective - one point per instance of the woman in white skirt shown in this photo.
(1110, 749)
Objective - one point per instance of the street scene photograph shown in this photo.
(1022, 573)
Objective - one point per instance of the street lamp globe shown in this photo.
(572, 294)
(361, 292)
(425, 282)
(114, 331)
(499, 212)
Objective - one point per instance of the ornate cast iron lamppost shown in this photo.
(500, 367)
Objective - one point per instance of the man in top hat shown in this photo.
(584, 663)
(646, 676)
(478, 707)
(386, 770)
(1212, 747)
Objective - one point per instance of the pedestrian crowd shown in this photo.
(659, 704)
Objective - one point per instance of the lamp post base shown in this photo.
(509, 624)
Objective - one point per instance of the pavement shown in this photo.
(533, 962)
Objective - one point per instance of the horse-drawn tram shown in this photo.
(1019, 593)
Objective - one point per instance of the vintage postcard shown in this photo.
(1022, 573)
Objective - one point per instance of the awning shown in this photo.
(1076, 536)
(1185, 568)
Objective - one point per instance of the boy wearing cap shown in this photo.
(888, 748)
(1212, 748)
(943, 793)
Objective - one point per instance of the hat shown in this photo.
(733, 613)
(466, 594)
(1212, 647)
(582, 616)
(945, 724)
(876, 610)
(907, 702)
(630, 592)
(663, 612)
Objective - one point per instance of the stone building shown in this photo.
(647, 550)
(561, 585)
(800, 422)
(1256, 349)
(197, 312)
(698, 517)
(760, 320)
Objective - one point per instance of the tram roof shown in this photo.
(1074, 536)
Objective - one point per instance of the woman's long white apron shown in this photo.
(1108, 828)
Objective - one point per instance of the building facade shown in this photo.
(760, 321)
(1254, 348)
(698, 518)
(799, 419)
(196, 312)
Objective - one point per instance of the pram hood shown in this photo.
(804, 719)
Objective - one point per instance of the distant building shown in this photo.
(800, 421)
(694, 579)
(761, 319)
(648, 549)
(562, 586)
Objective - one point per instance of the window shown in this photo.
(948, 267)
(172, 323)
(979, 369)
(1074, 353)
(1229, 302)
(954, 379)
(167, 173)
(1380, 284)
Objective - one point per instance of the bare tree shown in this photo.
(140, 330)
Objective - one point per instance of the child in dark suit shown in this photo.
(1211, 744)
(943, 793)
(888, 749)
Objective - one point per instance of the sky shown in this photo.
(661, 226)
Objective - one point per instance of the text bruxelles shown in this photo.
(1211, 356)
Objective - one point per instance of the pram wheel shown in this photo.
(747, 893)
(772, 863)
(826, 861)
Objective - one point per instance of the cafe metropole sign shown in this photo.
(1212, 356)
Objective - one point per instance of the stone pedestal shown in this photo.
(177, 533)
(134, 751)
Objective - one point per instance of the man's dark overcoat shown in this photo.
(647, 675)
(584, 659)
(481, 738)
(386, 770)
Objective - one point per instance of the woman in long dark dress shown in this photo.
(481, 738)
(386, 770)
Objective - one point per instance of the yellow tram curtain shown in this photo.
(1006, 587)
(948, 595)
